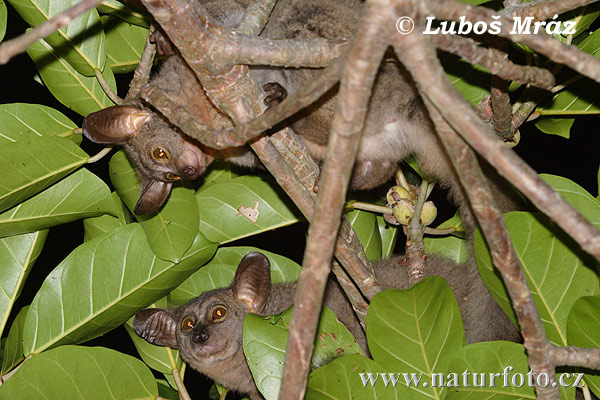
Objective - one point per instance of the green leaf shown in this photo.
(81, 43)
(416, 330)
(17, 256)
(119, 275)
(365, 225)
(556, 126)
(80, 195)
(161, 358)
(125, 44)
(13, 347)
(583, 17)
(578, 98)
(2, 19)
(35, 164)
(98, 226)
(125, 12)
(165, 391)
(451, 247)
(265, 340)
(583, 330)
(557, 271)
(82, 94)
(219, 172)
(472, 81)
(172, 229)
(486, 359)
(75, 372)
(258, 196)
(389, 236)
(343, 379)
(20, 121)
(576, 196)
(219, 273)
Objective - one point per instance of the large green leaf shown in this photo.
(172, 229)
(34, 164)
(365, 225)
(126, 12)
(80, 195)
(161, 358)
(556, 126)
(118, 273)
(579, 98)
(354, 377)
(416, 330)
(265, 340)
(219, 273)
(482, 361)
(81, 43)
(389, 236)
(80, 93)
(98, 226)
(20, 121)
(583, 330)
(450, 246)
(471, 81)
(125, 44)
(2, 19)
(75, 372)
(17, 256)
(13, 347)
(246, 206)
(557, 271)
(219, 172)
(576, 196)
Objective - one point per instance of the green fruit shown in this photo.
(428, 213)
(396, 193)
(403, 211)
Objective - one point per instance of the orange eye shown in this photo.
(188, 324)
(160, 154)
(172, 177)
(218, 314)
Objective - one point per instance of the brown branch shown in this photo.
(106, 87)
(543, 9)
(415, 248)
(497, 65)
(576, 357)
(367, 50)
(18, 45)
(141, 76)
(359, 305)
(585, 64)
(256, 17)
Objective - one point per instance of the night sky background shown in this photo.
(576, 158)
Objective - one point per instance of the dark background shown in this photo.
(576, 158)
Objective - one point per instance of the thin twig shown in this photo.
(106, 87)
(141, 76)
(100, 154)
(496, 64)
(18, 45)
(183, 394)
(415, 248)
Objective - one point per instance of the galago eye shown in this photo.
(172, 177)
(159, 154)
(218, 314)
(188, 324)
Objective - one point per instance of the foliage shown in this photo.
(127, 263)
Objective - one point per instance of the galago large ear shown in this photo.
(152, 195)
(114, 124)
(252, 281)
(156, 326)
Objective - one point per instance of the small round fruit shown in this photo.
(403, 211)
(428, 213)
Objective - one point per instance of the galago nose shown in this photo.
(200, 336)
